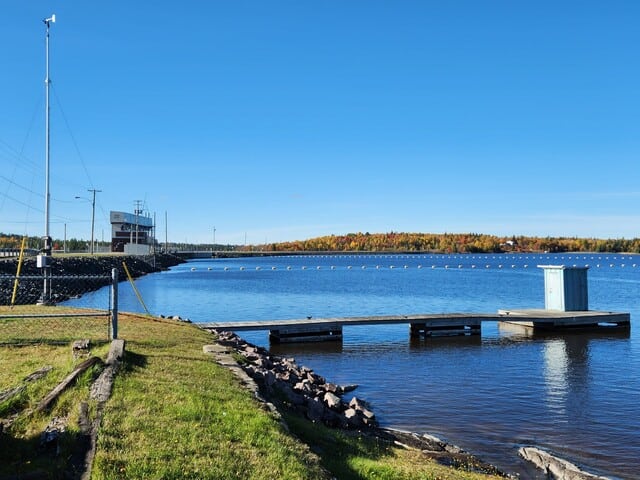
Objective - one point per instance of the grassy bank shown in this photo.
(175, 413)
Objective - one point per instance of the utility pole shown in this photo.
(166, 233)
(93, 214)
(153, 235)
(137, 212)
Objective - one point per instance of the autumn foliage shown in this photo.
(403, 242)
(453, 243)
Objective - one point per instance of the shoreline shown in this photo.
(313, 398)
(255, 368)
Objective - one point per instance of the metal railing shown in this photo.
(24, 318)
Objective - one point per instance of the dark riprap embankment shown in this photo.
(79, 266)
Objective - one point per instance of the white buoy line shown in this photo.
(449, 261)
(445, 266)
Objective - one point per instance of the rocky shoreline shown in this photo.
(283, 385)
(80, 266)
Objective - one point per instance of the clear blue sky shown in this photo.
(286, 120)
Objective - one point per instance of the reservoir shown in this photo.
(574, 394)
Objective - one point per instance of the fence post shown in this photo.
(114, 304)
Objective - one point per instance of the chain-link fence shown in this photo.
(34, 310)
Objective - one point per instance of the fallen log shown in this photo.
(101, 388)
(32, 377)
(48, 401)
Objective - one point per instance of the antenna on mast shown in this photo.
(44, 259)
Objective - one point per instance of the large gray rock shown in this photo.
(347, 388)
(352, 417)
(269, 378)
(315, 410)
(290, 395)
(360, 406)
(263, 362)
(330, 387)
(250, 356)
(557, 468)
(332, 401)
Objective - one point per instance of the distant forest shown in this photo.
(454, 243)
(10, 240)
(397, 242)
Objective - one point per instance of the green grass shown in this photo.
(352, 455)
(20, 449)
(175, 414)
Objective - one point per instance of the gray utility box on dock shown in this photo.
(565, 288)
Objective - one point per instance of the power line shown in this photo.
(15, 184)
(73, 138)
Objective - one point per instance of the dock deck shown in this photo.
(321, 329)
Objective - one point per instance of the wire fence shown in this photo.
(26, 318)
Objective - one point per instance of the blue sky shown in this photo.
(286, 120)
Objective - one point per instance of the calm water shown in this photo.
(576, 395)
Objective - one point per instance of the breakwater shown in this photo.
(78, 266)
(94, 265)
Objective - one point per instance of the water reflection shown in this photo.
(320, 348)
(433, 343)
(555, 375)
(517, 332)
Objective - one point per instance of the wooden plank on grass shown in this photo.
(62, 386)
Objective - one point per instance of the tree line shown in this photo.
(396, 242)
(452, 243)
(11, 240)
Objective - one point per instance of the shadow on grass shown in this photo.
(337, 448)
(133, 362)
(27, 458)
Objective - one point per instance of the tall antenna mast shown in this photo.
(44, 260)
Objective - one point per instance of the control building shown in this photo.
(131, 233)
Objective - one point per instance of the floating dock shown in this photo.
(427, 325)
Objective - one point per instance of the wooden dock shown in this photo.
(444, 324)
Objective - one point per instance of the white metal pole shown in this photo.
(45, 258)
(47, 83)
